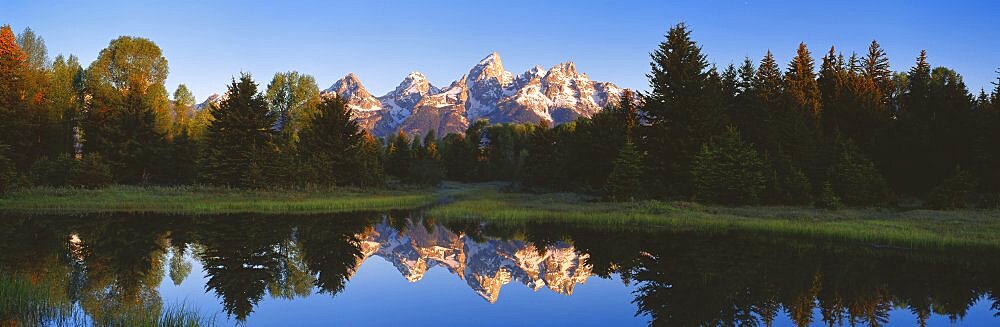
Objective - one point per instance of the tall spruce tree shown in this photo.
(133, 146)
(239, 142)
(798, 123)
(876, 68)
(331, 144)
(679, 114)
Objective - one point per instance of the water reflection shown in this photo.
(113, 266)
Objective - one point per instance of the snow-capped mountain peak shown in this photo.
(558, 94)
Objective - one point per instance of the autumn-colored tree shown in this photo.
(131, 64)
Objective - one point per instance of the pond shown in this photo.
(402, 269)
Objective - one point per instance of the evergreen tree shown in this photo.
(680, 116)
(854, 178)
(541, 165)
(911, 133)
(370, 170)
(728, 170)
(398, 157)
(768, 90)
(426, 168)
(954, 192)
(331, 144)
(239, 142)
(8, 173)
(797, 124)
(457, 157)
(625, 181)
(876, 68)
(132, 145)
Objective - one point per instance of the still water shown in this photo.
(399, 269)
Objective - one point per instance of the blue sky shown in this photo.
(208, 42)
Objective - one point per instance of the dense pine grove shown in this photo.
(845, 129)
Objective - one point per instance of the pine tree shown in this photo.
(625, 181)
(331, 143)
(797, 124)
(540, 167)
(768, 99)
(457, 157)
(854, 178)
(8, 173)
(680, 116)
(133, 146)
(239, 142)
(876, 68)
(728, 170)
(399, 157)
(371, 172)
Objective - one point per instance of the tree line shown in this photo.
(851, 132)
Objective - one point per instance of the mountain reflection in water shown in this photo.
(108, 266)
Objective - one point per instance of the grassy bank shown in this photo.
(913, 228)
(208, 200)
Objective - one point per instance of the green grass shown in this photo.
(914, 228)
(208, 200)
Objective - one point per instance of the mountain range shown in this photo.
(559, 94)
(485, 266)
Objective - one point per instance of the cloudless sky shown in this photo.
(208, 42)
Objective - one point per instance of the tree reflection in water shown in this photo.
(113, 265)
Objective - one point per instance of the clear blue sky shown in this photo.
(208, 42)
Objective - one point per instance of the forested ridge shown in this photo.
(829, 128)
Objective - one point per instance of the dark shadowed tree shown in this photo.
(679, 114)
(239, 142)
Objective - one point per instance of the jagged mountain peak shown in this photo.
(567, 68)
(490, 68)
(414, 84)
(348, 85)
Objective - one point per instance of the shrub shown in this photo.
(52, 172)
(728, 170)
(90, 171)
(953, 192)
